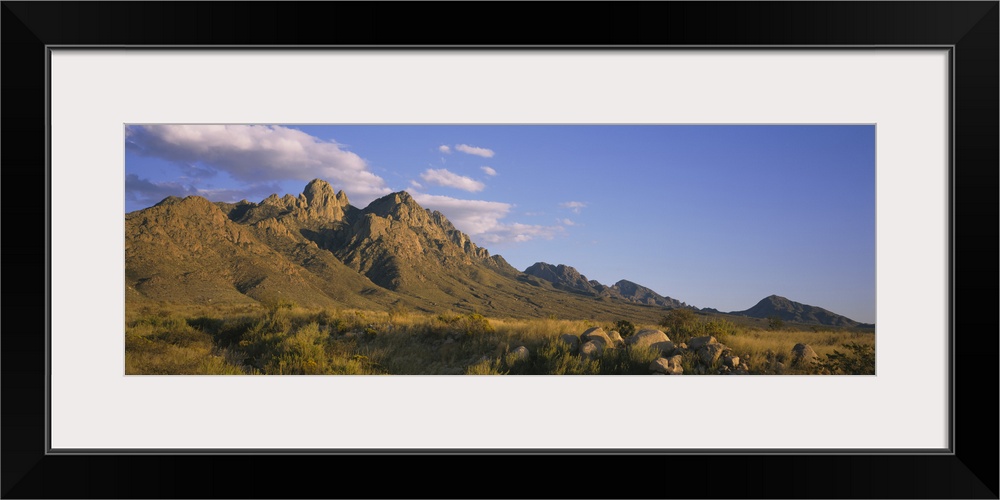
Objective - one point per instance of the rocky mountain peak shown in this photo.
(319, 201)
(399, 206)
(318, 189)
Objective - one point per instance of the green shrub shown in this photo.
(475, 324)
(775, 323)
(680, 324)
(485, 367)
(721, 329)
(555, 358)
(859, 360)
(624, 327)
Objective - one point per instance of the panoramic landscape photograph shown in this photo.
(284, 249)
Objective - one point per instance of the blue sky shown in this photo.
(716, 216)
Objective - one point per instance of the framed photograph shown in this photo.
(134, 116)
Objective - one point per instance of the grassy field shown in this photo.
(285, 339)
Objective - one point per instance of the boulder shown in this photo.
(616, 338)
(709, 353)
(572, 341)
(667, 366)
(651, 338)
(731, 361)
(597, 334)
(699, 342)
(591, 349)
(803, 355)
(520, 353)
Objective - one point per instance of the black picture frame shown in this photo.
(969, 28)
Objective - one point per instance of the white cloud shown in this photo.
(575, 206)
(489, 171)
(443, 177)
(518, 233)
(473, 150)
(259, 153)
(481, 219)
(473, 217)
(140, 192)
(566, 222)
(444, 149)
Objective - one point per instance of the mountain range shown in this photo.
(317, 249)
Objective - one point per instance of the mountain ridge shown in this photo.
(317, 249)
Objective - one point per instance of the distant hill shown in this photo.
(789, 310)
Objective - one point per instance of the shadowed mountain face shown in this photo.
(318, 250)
(789, 310)
(564, 278)
(567, 278)
(188, 251)
(642, 295)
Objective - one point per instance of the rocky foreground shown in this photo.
(705, 354)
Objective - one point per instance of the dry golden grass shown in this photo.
(285, 339)
(754, 346)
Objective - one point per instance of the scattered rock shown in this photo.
(667, 366)
(616, 338)
(597, 334)
(573, 341)
(520, 353)
(779, 367)
(709, 353)
(591, 349)
(802, 354)
(699, 342)
(651, 338)
(731, 361)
